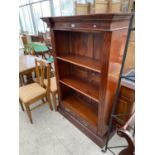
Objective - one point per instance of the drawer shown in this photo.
(81, 26)
(124, 107)
(128, 93)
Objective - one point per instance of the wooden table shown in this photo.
(27, 66)
(26, 63)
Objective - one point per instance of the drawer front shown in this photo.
(124, 107)
(81, 26)
(128, 93)
(126, 102)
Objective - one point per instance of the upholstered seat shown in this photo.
(53, 86)
(31, 91)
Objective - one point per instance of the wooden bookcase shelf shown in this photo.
(85, 62)
(88, 52)
(81, 87)
(81, 109)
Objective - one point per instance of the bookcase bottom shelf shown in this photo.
(100, 141)
(81, 110)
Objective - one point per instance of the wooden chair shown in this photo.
(27, 50)
(27, 47)
(53, 90)
(31, 93)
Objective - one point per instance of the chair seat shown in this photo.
(50, 59)
(53, 86)
(31, 91)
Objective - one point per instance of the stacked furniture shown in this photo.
(88, 52)
(103, 6)
(82, 9)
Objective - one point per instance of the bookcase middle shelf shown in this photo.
(82, 87)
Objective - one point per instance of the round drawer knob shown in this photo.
(72, 25)
(94, 25)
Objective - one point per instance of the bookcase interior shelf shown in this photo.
(81, 108)
(81, 87)
(82, 61)
(76, 48)
(80, 79)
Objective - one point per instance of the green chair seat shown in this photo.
(38, 47)
(50, 59)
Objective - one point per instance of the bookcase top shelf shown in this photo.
(81, 61)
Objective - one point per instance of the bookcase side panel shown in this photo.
(115, 60)
(105, 52)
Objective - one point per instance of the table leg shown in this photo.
(29, 78)
(21, 80)
(42, 55)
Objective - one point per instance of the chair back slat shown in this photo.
(42, 72)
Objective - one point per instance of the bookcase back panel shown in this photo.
(86, 75)
(64, 68)
(65, 91)
(81, 44)
(98, 44)
(84, 44)
(87, 100)
(61, 42)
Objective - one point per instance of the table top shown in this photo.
(27, 62)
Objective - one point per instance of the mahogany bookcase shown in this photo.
(88, 51)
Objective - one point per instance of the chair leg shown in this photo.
(49, 102)
(44, 101)
(29, 113)
(54, 101)
(21, 104)
(20, 79)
